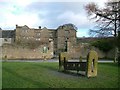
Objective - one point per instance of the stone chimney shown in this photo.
(39, 27)
(16, 25)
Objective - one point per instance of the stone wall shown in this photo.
(25, 53)
(18, 52)
(75, 52)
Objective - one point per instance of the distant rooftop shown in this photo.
(8, 33)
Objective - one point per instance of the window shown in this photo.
(24, 31)
(51, 35)
(66, 32)
(38, 34)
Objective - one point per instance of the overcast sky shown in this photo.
(46, 13)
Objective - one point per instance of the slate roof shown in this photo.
(8, 34)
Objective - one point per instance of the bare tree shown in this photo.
(107, 19)
(119, 47)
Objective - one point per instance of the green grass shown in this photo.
(46, 75)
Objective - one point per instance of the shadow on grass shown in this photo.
(46, 66)
(74, 73)
(36, 83)
(68, 72)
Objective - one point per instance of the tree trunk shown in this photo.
(119, 36)
(115, 35)
(118, 47)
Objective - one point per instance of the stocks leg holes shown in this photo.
(92, 66)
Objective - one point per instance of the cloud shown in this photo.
(75, 18)
(36, 13)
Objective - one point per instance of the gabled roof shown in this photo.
(8, 34)
(44, 28)
(67, 27)
(24, 27)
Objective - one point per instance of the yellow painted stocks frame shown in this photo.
(91, 64)
(92, 61)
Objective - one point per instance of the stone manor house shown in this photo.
(57, 40)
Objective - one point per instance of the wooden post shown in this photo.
(62, 56)
(80, 59)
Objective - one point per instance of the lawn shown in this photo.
(46, 75)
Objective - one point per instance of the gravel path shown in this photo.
(52, 60)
